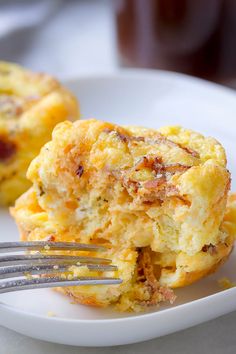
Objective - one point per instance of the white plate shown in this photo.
(150, 98)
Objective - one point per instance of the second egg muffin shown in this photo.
(31, 104)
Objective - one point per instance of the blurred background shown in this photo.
(74, 37)
(63, 37)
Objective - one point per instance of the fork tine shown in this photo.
(37, 283)
(49, 259)
(44, 245)
(18, 265)
(21, 270)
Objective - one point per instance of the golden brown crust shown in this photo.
(83, 299)
(189, 270)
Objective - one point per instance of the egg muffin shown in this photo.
(31, 104)
(157, 199)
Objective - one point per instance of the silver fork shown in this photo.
(19, 266)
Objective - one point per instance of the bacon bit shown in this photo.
(210, 249)
(172, 191)
(41, 191)
(145, 268)
(160, 139)
(156, 164)
(156, 190)
(158, 187)
(160, 194)
(50, 238)
(190, 151)
(7, 149)
(138, 138)
(79, 171)
(129, 183)
(143, 162)
(176, 167)
(108, 130)
(150, 191)
(168, 294)
(146, 275)
(124, 138)
(155, 183)
(147, 202)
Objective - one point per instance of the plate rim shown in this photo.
(138, 316)
(132, 73)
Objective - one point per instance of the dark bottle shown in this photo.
(197, 37)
